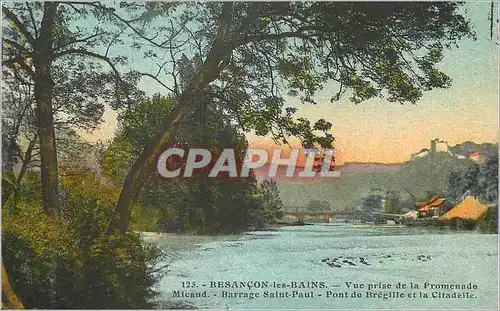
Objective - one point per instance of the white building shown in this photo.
(438, 145)
(411, 215)
(422, 153)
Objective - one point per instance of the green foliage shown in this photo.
(144, 219)
(8, 186)
(318, 206)
(414, 178)
(455, 188)
(13, 193)
(371, 49)
(490, 222)
(428, 176)
(203, 205)
(117, 159)
(480, 180)
(393, 203)
(69, 264)
(390, 50)
(372, 202)
(137, 126)
(489, 180)
(368, 50)
(273, 206)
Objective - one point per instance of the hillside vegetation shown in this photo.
(415, 178)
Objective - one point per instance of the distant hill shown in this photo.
(359, 179)
(468, 147)
(360, 167)
(346, 169)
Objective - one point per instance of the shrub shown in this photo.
(69, 263)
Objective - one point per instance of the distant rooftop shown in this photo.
(468, 209)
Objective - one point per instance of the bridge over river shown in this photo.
(307, 216)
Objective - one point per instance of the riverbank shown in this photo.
(308, 253)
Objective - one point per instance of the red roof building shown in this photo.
(432, 208)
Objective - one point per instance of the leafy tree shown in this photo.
(253, 54)
(372, 202)
(43, 44)
(488, 183)
(479, 180)
(202, 205)
(393, 203)
(71, 112)
(273, 206)
(258, 53)
(456, 186)
(471, 179)
(78, 104)
(41, 41)
(92, 272)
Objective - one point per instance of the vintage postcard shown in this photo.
(250, 155)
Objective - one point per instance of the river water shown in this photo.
(335, 255)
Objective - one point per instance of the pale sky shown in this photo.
(380, 131)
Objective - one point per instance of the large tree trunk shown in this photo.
(11, 299)
(141, 170)
(42, 61)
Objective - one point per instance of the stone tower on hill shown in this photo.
(438, 146)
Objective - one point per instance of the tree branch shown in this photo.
(106, 59)
(276, 36)
(82, 52)
(97, 34)
(16, 45)
(32, 17)
(22, 28)
(128, 23)
(157, 80)
(20, 60)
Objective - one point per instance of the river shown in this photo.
(335, 255)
